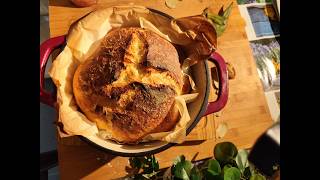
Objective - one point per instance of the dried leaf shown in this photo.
(214, 77)
(222, 130)
(192, 84)
(149, 176)
(231, 71)
(201, 30)
(220, 13)
(218, 114)
(167, 174)
(171, 3)
(190, 97)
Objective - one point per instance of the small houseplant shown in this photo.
(228, 163)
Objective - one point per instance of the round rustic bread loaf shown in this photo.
(128, 88)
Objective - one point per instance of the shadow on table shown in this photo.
(91, 160)
(67, 3)
(63, 3)
(191, 143)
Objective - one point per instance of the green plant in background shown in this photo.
(220, 20)
(228, 164)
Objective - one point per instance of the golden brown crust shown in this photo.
(149, 107)
(162, 55)
(170, 121)
(128, 89)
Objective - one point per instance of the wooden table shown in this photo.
(246, 112)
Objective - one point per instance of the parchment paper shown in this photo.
(84, 39)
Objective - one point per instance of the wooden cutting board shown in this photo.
(246, 112)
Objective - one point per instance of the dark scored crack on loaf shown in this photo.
(129, 87)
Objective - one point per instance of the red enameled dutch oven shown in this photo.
(197, 109)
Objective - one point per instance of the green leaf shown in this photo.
(187, 165)
(225, 167)
(179, 159)
(195, 174)
(214, 167)
(208, 175)
(241, 2)
(232, 174)
(242, 160)
(225, 152)
(216, 19)
(182, 168)
(154, 163)
(219, 28)
(257, 177)
(220, 20)
(227, 12)
(182, 174)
